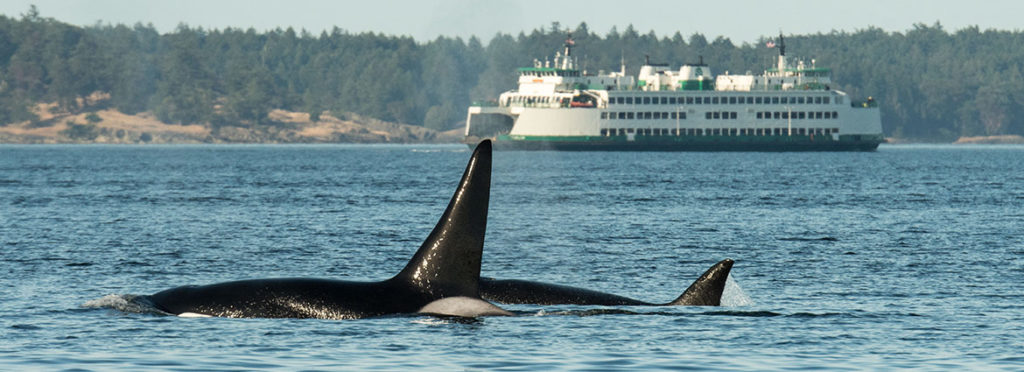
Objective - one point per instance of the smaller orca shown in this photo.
(442, 278)
(705, 291)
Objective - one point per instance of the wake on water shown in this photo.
(130, 304)
(733, 295)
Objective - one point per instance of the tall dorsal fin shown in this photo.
(706, 290)
(448, 262)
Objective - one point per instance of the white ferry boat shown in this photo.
(787, 108)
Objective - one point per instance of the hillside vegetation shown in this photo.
(933, 85)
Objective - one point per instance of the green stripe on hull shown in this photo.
(688, 143)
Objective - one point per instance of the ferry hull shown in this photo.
(702, 143)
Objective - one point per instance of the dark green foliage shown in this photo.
(84, 132)
(93, 118)
(931, 84)
(442, 117)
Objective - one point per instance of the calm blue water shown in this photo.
(908, 257)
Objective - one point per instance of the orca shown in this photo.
(442, 278)
(705, 291)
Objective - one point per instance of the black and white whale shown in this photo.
(705, 291)
(441, 278)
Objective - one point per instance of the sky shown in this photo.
(739, 20)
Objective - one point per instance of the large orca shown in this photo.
(705, 291)
(441, 278)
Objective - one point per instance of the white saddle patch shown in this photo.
(463, 306)
(194, 315)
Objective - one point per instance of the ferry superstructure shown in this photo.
(787, 108)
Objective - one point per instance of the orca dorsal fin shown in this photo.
(448, 262)
(706, 290)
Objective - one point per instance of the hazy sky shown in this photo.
(739, 20)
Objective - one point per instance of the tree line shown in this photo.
(931, 84)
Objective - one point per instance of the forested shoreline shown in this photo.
(932, 84)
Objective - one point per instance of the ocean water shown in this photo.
(908, 257)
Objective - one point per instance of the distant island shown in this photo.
(61, 83)
(114, 127)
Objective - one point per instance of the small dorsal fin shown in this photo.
(448, 262)
(706, 290)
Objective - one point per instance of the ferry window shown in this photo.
(682, 115)
(785, 115)
(785, 100)
(757, 100)
(732, 115)
(657, 115)
(674, 116)
(801, 115)
(750, 100)
(604, 115)
(825, 100)
(622, 115)
(777, 115)
(775, 100)
(629, 130)
(835, 115)
(760, 115)
(604, 132)
(714, 100)
(828, 115)
(707, 100)
(799, 100)
(732, 100)
(647, 115)
(707, 115)
(689, 100)
(810, 100)
(817, 115)
(629, 115)
(817, 100)
(673, 100)
(717, 115)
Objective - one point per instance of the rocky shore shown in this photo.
(114, 127)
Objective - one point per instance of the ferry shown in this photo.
(789, 107)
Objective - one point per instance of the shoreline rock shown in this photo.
(114, 127)
(1011, 139)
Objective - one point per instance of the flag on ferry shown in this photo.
(770, 44)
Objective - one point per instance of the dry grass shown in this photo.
(990, 140)
(117, 127)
